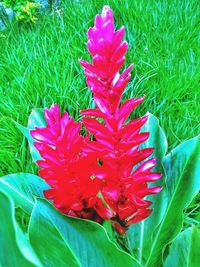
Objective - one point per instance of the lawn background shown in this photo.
(39, 66)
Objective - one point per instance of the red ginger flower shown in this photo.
(65, 167)
(117, 142)
(95, 179)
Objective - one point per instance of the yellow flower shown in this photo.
(33, 19)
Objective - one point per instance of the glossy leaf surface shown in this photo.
(182, 167)
(185, 249)
(22, 187)
(14, 248)
(71, 241)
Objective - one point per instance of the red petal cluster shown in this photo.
(102, 176)
(65, 167)
(117, 141)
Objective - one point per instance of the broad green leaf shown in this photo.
(182, 167)
(85, 243)
(48, 242)
(36, 119)
(140, 235)
(185, 249)
(176, 161)
(194, 255)
(22, 187)
(14, 248)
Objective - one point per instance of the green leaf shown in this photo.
(182, 166)
(65, 241)
(22, 187)
(194, 255)
(140, 235)
(15, 250)
(185, 249)
(36, 119)
(48, 241)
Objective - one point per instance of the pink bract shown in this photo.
(103, 175)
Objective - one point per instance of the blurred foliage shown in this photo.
(26, 11)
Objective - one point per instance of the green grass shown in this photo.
(39, 66)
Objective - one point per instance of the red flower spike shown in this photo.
(73, 191)
(117, 141)
(107, 50)
(104, 175)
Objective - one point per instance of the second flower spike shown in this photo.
(116, 141)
